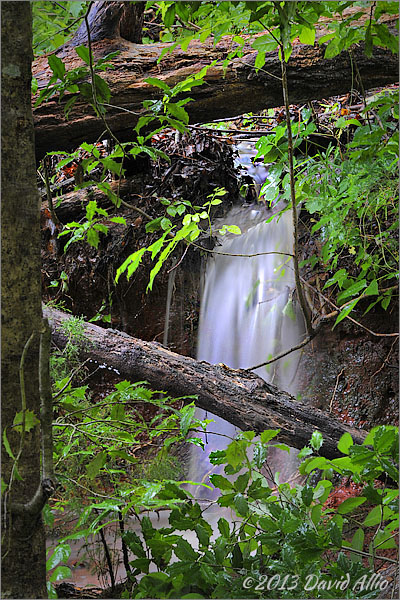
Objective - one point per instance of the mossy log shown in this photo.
(227, 92)
(238, 396)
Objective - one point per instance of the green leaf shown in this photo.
(332, 49)
(233, 229)
(103, 91)
(283, 447)
(187, 413)
(260, 61)
(322, 490)
(268, 434)
(357, 543)
(316, 514)
(306, 451)
(372, 289)
(7, 445)
(288, 310)
(235, 453)
(307, 494)
(203, 534)
(374, 516)
(241, 505)
(224, 528)
(264, 43)
(60, 573)
(349, 505)
(158, 83)
(178, 112)
(241, 482)
(51, 592)
(316, 440)
(307, 35)
(384, 540)
(83, 53)
(221, 482)
(319, 462)
(335, 534)
(184, 551)
(61, 553)
(57, 66)
(352, 290)
(169, 16)
(93, 468)
(132, 262)
(344, 443)
(343, 314)
(120, 220)
(30, 420)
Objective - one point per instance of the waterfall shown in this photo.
(247, 315)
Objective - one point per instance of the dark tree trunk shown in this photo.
(23, 541)
(109, 20)
(235, 91)
(236, 395)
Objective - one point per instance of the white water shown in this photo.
(247, 317)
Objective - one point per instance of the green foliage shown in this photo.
(54, 23)
(285, 541)
(90, 229)
(189, 231)
(58, 572)
(75, 82)
(353, 198)
(63, 362)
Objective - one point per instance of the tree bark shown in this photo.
(236, 395)
(23, 540)
(108, 20)
(235, 91)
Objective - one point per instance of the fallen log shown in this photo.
(73, 204)
(238, 396)
(227, 92)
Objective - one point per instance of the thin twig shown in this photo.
(48, 193)
(242, 255)
(337, 311)
(108, 556)
(74, 372)
(299, 288)
(285, 353)
(46, 402)
(179, 262)
(123, 543)
(334, 391)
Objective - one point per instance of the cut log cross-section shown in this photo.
(236, 395)
(225, 93)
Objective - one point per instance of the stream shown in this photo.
(247, 316)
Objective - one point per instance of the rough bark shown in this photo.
(236, 395)
(238, 90)
(110, 20)
(23, 542)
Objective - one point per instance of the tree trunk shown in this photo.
(23, 541)
(236, 395)
(108, 20)
(235, 91)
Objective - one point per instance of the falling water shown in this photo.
(247, 315)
